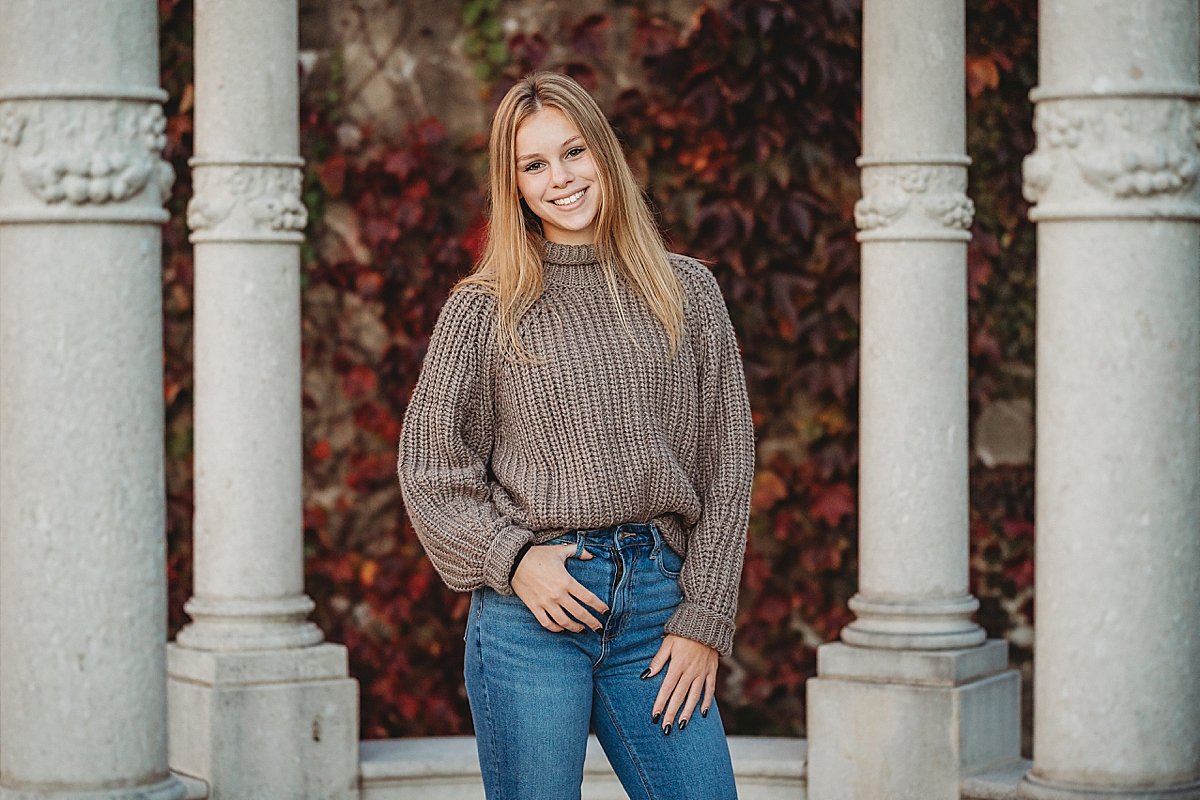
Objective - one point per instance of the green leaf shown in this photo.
(179, 443)
(744, 51)
(490, 28)
(472, 11)
(497, 53)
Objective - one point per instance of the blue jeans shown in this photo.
(534, 692)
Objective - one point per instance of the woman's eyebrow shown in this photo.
(539, 155)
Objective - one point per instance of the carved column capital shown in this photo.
(247, 200)
(83, 155)
(914, 199)
(1115, 156)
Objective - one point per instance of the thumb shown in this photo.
(584, 555)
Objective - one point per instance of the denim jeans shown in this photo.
(534, 693)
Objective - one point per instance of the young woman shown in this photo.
(578, 454)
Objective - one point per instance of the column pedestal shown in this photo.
(265, 723)
(1034, 789)
(899, 724)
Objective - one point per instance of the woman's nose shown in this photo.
(560, 175)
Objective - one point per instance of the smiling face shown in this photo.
(557, 177)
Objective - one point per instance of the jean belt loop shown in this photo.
(578, 543)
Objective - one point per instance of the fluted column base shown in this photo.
(936, 625)
(1033, 788)
(904, 723)
(268, 723)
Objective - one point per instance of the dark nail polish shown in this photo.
(646, 674)
(683, 723)
(667, 730)
(704, 712)
(654, 717)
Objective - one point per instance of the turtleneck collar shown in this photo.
(570, 264)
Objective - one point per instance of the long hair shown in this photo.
(627, 241)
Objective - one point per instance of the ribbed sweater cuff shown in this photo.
(500, 556)
(512, 571)
(697, 622)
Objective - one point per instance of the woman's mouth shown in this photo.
(570, 201)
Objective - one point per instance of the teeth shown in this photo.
(566, 201)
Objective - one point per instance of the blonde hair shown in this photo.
(627, 240)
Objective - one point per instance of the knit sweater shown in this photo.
(494, 454)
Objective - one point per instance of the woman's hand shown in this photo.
(691, 676)
(551, 593)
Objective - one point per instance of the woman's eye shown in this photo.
(531, 165)
(574, 151)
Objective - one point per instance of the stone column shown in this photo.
(259, 706)
(913, 223)
(82, 589)
(1114, 179)
(913, 698)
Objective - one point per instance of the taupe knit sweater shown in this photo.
(494, 454)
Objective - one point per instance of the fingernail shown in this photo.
(667, 730)
(654, 717)
(682, 724)
(704, 712)
(646, 674)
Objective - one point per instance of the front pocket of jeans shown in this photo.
(670, 563)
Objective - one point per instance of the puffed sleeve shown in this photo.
(712, 568)
(445, 444)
